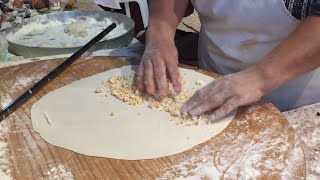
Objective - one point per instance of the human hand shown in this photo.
(158, 66)
(222, 96)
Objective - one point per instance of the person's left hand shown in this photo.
(226, 94)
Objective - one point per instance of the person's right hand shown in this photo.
(158, 67)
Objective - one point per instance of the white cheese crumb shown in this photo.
(199, 82)
(99, 90)
(122, 88)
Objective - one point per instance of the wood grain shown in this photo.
(257, 130)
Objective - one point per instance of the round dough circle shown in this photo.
(76, 118)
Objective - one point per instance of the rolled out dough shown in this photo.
(76, 118)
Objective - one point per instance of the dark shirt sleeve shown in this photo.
(315, 8)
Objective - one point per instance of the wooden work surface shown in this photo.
(259, 142)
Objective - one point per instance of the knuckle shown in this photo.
(157, 54)
(146, 55)
(233, 103)
(219, 114)
(159, 73)
(228, 108)
(145, 63)
(172, 62)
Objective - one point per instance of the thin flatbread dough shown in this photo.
(76, 118)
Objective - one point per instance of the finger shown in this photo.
(194, 101)
(160, 78)
(225, 109)
(174, 76)
(213, 102)
(139, 79)
(199, 97)
(148, 78)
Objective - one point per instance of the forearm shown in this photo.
(165, 15)
(296, 55)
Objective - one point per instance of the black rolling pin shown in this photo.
(15, 104)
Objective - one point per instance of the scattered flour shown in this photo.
(246, 155)
(4, 100)
(53, 32)
(59, 172)
(249, 164)
(199, 166)
(4, 158)
(306, 122)
(4, 162)
(23, 81)
(4, 64)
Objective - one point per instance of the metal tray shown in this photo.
(117, 42)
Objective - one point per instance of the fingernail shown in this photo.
(157, 98)
(212, 118)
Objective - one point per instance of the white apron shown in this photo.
(235, 34)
